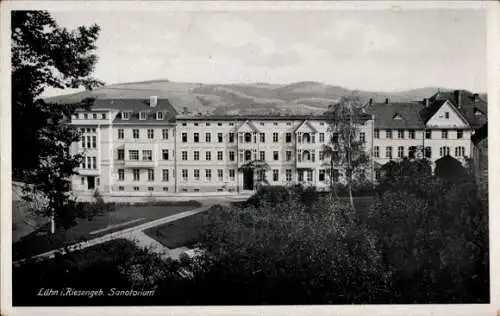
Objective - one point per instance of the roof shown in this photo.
(263, 117)
(480, 134)
(386, 115)
(464, 101)
(135, 106)
(308, 125)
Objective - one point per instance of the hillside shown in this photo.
(299, 98)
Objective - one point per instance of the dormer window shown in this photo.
(142, 115)
(159, 115)
(85, 116)
(397, 117)
(125, 115)
(478, 112)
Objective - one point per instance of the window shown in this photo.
(220, 174)
(428, 134)
(208, 174)
(121, 174)
(103, 116)
(306, 156)
(185, 124)
(411, 134)
(362, 137)
(321, 176)
(195, 124)
(94, 116)
(301, 175)
(219, 137)
(401, 134)
(388, 152)
(184, 174)
(151, 188)
(142, 115)
(120, 133)
(288, 175)
(428, 152)
(164, 175)
(220, 155)
(219, 124)
(232, 174)
(136, 188)
(85, 116)
(288, 155)
(321, 155)
(151, 133)
(412, 151)
(165, 189)
(401, 152)
(261, 123)
(248, 138)
(321, 137)
(83, 141)
(164, 133)
(388, 133)
(121, 154)
(275, 155)
(147, 155)
(159, 115)
(164, 154)
(136, 173)
(275, 175)
(184, 155)
(196, 174)
(231, 155)
(459, 151)
(446, 115)
(262, 155)
(125, 115)
(89, 162)
(196, 155)
(184, 137)
(151, 175)
(275, 137)
(94, 163)
(444, 134)
(376, 152)
(133, 155)
(460, 134)
(89, 143)
(207, 124)
(231, 137)
(288, 137)
(208, 155)
(262, 137)
(208, 137)
(248, 155)
(336, 175)
(443, 151)
(309, 175)
(94, 141)
(261, 175)
(196, 137)
(121, 188)
(376, 133)
(135, 133)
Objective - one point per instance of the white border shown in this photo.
(494, 153)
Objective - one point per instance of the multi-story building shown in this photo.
(136, 147)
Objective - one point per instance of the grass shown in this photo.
(188, 231)
(184, 232)
(41, 241)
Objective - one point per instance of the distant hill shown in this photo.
(246, 98)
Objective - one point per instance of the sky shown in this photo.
(368, 50)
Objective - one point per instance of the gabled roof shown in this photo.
(430, 110)
(396, 115)
(307, 124)
(249, 124)
(464, 101)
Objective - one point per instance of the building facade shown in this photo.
(137, 147)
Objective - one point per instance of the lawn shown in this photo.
(187, 231)
(122, 217)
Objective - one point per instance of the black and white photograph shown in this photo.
(270, 154)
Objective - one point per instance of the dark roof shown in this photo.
(480, 134)
(386, 113)
(465, 102)
(257, 117)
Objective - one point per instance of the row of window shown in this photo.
(232, 124)
(94, 116)
(89, 163)
(165, 189)
(143, 115)
(252, 137)
(401, 133)
(149, 132)
(412, 151)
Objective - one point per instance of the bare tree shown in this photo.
(345, 149)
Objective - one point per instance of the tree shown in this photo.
(46, 55)
(345, 149)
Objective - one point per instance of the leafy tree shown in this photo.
(345, 149)
(46, 55)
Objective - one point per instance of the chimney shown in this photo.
(458, 98)
(370, 102)
(386, 100)
(153, 100)
(476, 97)
(426, 102)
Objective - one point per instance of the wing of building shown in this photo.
(144, 148)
